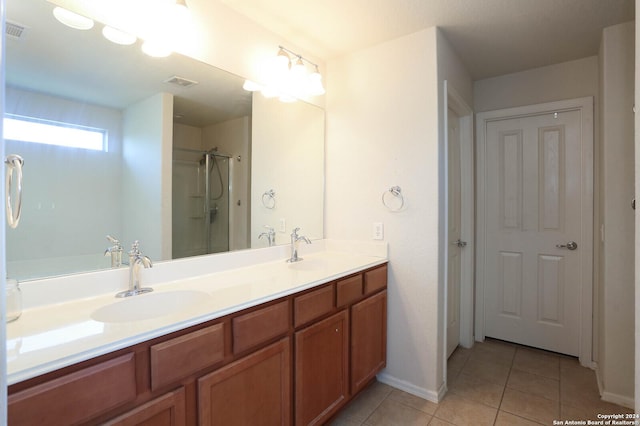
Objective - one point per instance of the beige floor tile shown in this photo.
(462, 412)
(507, 419)
(456, 362)
(494, 351)
(537, 362)
(534, 384)
(590, 411)
(412, 401)
(579, 387)
(364, 404)
(487, 371)
(439, 422)
(470, 387)
(529, 406)
(392, 413)
(341, 421)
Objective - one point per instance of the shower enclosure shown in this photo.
(201, 194)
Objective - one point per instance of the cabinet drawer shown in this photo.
(349, 290)
(259, 326)
(177, 358)
(313, 305)
(169, 409)
(375, 279)
(76, 397)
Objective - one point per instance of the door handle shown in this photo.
(13, 162)
(459, 243)
(571, 245)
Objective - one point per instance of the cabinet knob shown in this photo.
(337, 330)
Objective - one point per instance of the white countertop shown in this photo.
(51, 336)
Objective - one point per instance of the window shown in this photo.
(28, 129)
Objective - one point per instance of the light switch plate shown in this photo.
(283, 225)
(378, 231)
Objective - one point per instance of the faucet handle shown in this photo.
(135, 249)
(294, 233)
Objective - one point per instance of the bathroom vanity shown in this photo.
(289, 355)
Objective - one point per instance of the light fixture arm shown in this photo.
(300, 57)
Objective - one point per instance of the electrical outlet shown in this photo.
(378, 231)
(283, 225)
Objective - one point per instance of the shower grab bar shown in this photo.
(13, 162)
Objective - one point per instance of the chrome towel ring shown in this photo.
(269, 199)
(393, 199)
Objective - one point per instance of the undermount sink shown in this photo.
(149, 305)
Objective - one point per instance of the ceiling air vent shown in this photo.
(15, 31)
(180, 81)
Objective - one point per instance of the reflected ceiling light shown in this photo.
(117, 36)
(251, 86)
(72, 19)
(156, 49)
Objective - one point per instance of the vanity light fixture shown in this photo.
(71, 19)
(118, 37)
(288, 79)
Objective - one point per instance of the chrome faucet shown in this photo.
(270, 235)
(136, 259)
(295, 239)
(115, 252)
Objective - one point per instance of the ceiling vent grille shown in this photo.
(180, 81)
(15, 31)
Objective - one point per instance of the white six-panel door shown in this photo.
(454, 263)
(534, 225)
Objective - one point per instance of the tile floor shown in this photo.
(495, 383)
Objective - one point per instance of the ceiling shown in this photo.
(492, 37)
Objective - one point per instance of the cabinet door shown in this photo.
(368, 339)
(255, 390)
(322, 369)
(167, 410)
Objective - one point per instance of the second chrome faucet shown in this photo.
(136, 260)
(295, 240)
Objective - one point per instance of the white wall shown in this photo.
(382, 130)
(287, 156)
(568, 80)
(146, 183)
(616, 296)
(3, 337)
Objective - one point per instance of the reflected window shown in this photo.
(35, 130)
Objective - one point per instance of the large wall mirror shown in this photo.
(182, 159)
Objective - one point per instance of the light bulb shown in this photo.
(251, 86)
(298, 79)
(270, 92)
(72, 19)
(156, 49)
(315, 84)
(117, 36)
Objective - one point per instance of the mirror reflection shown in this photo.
(172, 152)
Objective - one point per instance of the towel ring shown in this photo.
(269, 199)
(392, 203)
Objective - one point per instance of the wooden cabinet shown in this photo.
(368, 339)
(294, 360)
(322, 369)
(75, 398)
(167, 410)
(256, 390)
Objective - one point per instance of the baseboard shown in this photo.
(614, 398)
(429, 395)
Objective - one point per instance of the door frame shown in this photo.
(454, 101)
(585, 106)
